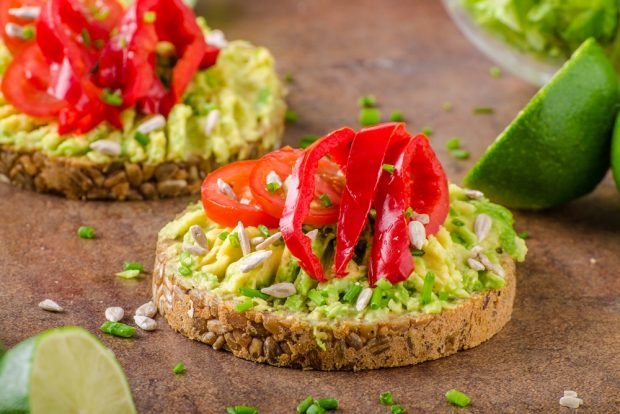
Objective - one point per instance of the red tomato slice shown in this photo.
(15, 44)
(226, 211)
(328, 183)
(25, 84)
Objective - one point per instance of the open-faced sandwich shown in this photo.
(354, 253)
(102, 101)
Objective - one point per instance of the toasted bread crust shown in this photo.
(281, 340)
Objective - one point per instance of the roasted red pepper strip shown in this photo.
(390, 257)
(364, 168)
(301, 193)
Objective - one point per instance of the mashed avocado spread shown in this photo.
(445, 255)
(242, 87)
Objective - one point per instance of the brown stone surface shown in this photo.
(565, 332)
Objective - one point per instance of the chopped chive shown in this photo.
(367, 101)
(86, 38)
(234, 240)
(351, 295)
(453, 143)
(179, 368)
(244, 306)
(495, 72)
(384, 284)
(223, 235)
(427, 288)
(263, 96)
(99, 43)
(149, 17)
(427, 131)
(316, 297)
(409, 212)
(186, 259)
(315, 409)
(128, 274)
(252, 293)
(241, 409)
(417, 253)
(111, 98)
(483, 110)
(457, 398)
(524, 235)
(397, 409)
(86, 232)
(327, 403)
(325, 200)
(118, 329)
(288, 77)
(458, 222)
(460, 154)
(273, 187)
(386, 398)
(185, 271)
(133, 266)
(28, 33)
(447, 106)
(290, 117)
(369, 116)
(443, 295)
(263, 230)
(143, 139)
(305, 404)
(397, 116)
(376, 301)
(388, 168)
(307, 140)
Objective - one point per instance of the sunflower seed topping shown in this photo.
(148, 309)
(107, 147)
(269, 241)
(570, 393)
(26, 12)
(417, 234)
(212, 119)
(145, 323)
(198, 235)
(363, 299)
(244, 241)
(476, 250)
(114, 313)
(15, 31)
(256, 240)
(422, 218)
(312, 234)
(195, 249)
(50, 306)
(570, 401)
(475, 264)
(225, 188)
(497, 269)
(216, 38)
(482, 226)
(474, 194)
(153, 123)
(280, 290)
(254, 260)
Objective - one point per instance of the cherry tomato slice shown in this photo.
(16, 45)
(328, 190)
(25, 84)
(227, 211)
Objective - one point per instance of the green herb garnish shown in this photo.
(241, 409)
(386, 398)
(397, 409)
(118, 329)
(409, 212)
(223, 235)
(427, 131)
(524, 235)
(367, 101)
(427, 288)
(417, 253)
(85, 37)
(305, 404)
(351, 295)
(252, 293)
(133, 266)
(244, 306)
(315, 409)
(369, 116)
(495, 72)
(458, 222)
(233, 238)
(325, 200)
(263, 230)
(457, 398)
(290, 117)
(149, 17)
(397, 116)
(179, 368)
(273, 187)
(28, 33)
(453, 143)
(111, 98)
(460, 154)
(142, 139)
(389, 168)
(307, 140)
(376, 301)
(327, 403)
(288, 77)
(316, 297)
(483, 110)
(86, 232)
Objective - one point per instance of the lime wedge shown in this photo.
(64, 370)
(615, 153)
(557, 148)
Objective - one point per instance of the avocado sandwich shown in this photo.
(128, 102)
(352, 254)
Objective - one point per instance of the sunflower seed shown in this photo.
(106, 147)
(25, 12)
(280, 290)
(273, 178)
(50, 306)
(15, 31)
(145, 323)
(212, 118)
(148, 309)
(363, 299)
(417, 234)
(482, 226)
(254, 260)
(151, 124)
(312, 234)
(194, 249)
(216, 38)
(475, 264)
(114, 313)
(498, 270)
(474, 194)
(422, 218)
(269, 241)
(243, 239)
(569, 393)
(198, 235)
(570, 402)
(225, 188)
(256, 240)
(476, 250)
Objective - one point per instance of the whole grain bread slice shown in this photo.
(281, 339)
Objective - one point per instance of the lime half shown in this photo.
(64, 370)
(557, 148)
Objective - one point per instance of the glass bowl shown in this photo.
(528, 67)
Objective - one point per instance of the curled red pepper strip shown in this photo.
(300, 195)
(364, 168)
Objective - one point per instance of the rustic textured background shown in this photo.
(565, 332)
